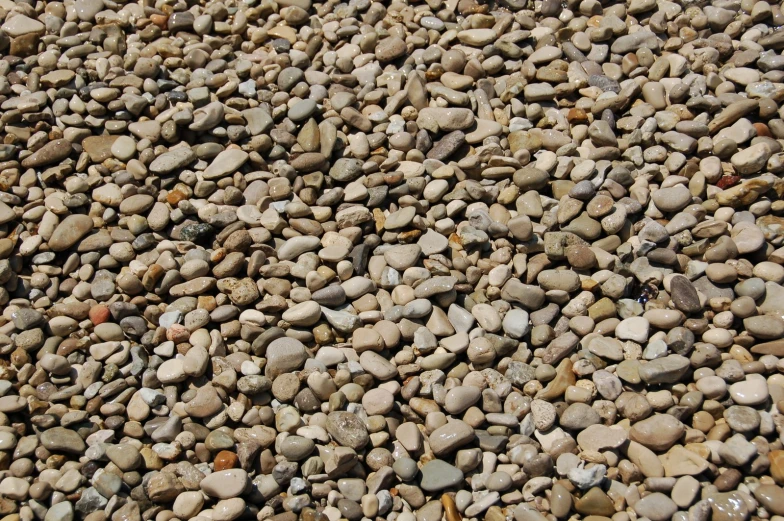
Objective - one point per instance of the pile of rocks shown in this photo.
(403, 261)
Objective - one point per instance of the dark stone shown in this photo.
(134, 326)
(259, 346)
(307, 402)
(359, 258)
(144, 241)
(684, 295)
(551, 8)
(663, 256)
(728, 480)
(447, 145)
(330, 296)
(181, 21)
(197, 232)
(609, 116)
(494, 443)
(281, 45)
(377, 195)
(573, 53)
(423, 141)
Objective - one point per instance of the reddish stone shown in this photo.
(728, 181)
(225, 460)
(762, 130)
(99, 314)
(393, 178)
(178, 333)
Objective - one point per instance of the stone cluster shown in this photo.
(401, 260)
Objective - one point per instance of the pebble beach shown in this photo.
(282, 260)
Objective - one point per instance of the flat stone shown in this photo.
(658, 432)
(600, 438)
(172, 160)
(450, 437)
(225, 484)
(70, 231)
(99, 147)
(656, 507)
(21, 25)
(59, 439)
(438, 475)
(669, 369)
(226, 163)
(682, 462)
(52, 152)
(390, 49)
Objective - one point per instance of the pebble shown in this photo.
(770, 496)
(438, 475)
(753, 391)
(69, 232)
(656, 507)
(284, 355)
(225, 484)
(658, 433)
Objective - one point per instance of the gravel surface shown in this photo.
(389, 261)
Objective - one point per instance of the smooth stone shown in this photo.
(59, 439)
(70, 231)
(438, 475)
(753, 391)
(658, 432)
(225, 484)
(283, 356)
(656, 507)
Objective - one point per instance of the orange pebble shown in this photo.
(225, 460)
(160, 20)
(576, 115)
(762, 129)
(450, 509)
(99, 314)
(776, 458)
(176, 195)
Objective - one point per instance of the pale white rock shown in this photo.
(20, 25)
(752, 391)
(633, 328)
(752, 159)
